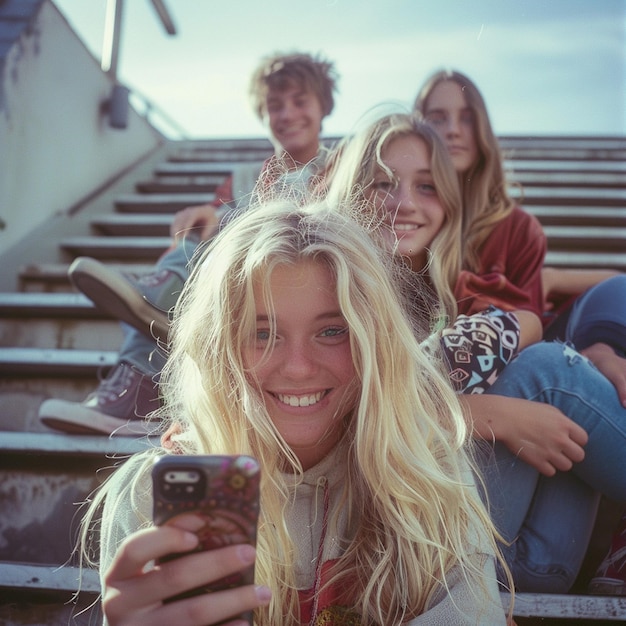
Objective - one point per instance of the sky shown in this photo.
(544, 67)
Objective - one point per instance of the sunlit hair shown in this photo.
(278, 72)
(485, 197)
(407, 490)
(354, 166)
(405, 486)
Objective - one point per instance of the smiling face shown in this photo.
(447, 110)
(307, 379)
(408, 199)
(294, 116)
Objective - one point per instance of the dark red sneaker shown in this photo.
(610, 578)
(119, 406)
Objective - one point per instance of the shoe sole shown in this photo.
(113, 294)
(603, 586)
(76, 419)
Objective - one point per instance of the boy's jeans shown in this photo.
(139, 350)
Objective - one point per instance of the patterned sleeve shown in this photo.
(478, 347)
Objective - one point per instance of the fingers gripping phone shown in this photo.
(221, 490)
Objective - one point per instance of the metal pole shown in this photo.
(112, 36)
(164, 16)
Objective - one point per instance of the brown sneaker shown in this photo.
(143, 301)
(118, 406)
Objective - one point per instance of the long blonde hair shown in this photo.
(486, 200)
(351, 173)
(416, 513)
(418, 520)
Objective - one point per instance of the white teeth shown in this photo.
(405, 226)
(300, 400)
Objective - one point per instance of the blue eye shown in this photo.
(335, 331)
(428, 189)
(263, 335)
(383, 185)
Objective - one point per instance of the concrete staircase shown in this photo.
(54, 343)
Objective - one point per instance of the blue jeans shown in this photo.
(139, 350)
(599, 315)
(549, 520)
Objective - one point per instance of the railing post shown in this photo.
(117, 105)
(112, 36)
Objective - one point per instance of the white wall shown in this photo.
(55, 145)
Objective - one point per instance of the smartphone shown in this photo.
(223, 491)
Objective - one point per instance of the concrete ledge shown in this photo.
(48, 578)
(567, 606)
(52, 444)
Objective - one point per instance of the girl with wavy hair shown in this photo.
(534, 411)
(291, 343)
(504, 258)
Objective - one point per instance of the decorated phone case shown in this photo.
(223, 491)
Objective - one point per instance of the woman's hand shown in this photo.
(202, 219)
(134, 594)
(537, 433)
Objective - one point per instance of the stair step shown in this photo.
(586, 260)
(226, 143)
(219, 157)
(46, 595)
(152, 247)
(46, 578)
(181, 184)
(184, 169)
(29, 305)
(578, 607)
(45, 480)
(581, 238)
(578, 215)
(160, 203)
(565, 154)
(570, 196)
(76, 446)
(607, 142)
(144, 248)
(571, 179)
(533, 165)
(133, 225)
(56, 273)
(54, 362)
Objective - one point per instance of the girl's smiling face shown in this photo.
(408, 198)
(307, 377)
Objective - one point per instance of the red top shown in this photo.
(224, 192)
(509, 276)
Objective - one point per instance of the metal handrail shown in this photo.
(113, 28)
(117, 107)
(152, 110)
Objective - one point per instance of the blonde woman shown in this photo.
(535, 412)
(291, 344)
